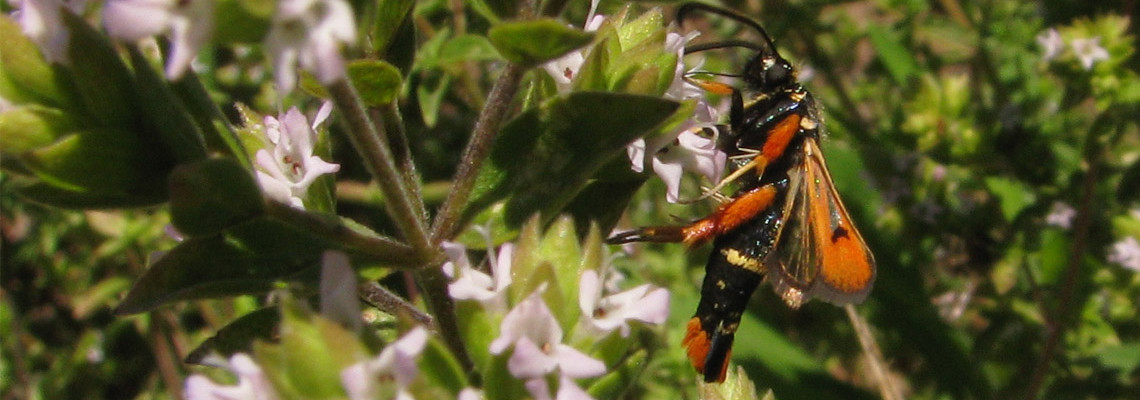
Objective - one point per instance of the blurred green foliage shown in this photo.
(951, 138)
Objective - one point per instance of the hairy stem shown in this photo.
(486, 127)
(381, 248)
(386, 301)
(380, 162)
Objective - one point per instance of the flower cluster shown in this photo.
(1087, 50)
(532, 336)
(672, 153)
(305, 32)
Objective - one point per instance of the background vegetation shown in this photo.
(997, 185)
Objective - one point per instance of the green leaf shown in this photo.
(616, 382)
(238, 336)
(430, 96)
(531, 43)
(440, 366)
(544, 157)
(466, 48)
(105, 160)
(31, 127)
(55, 196)
(899, 61)
(246, 259)
(391, 15)
(25, 76)
(211, 195)
(104, 83)
(496, 10)
(176, 129)
(1013, 196)
(377, 81)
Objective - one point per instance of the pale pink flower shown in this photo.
(189, 24)
(252, 383)
(537, 340)
(1061, 216)
(309, 33)
(1126, 252)
(41, 21)
(338, 290)
(567, 390)
(1088, 51)
(473, 284)
(396, 363)
(287, 169)
(1051, 42)
(604, 314)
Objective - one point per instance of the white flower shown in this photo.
(564, 69)
(1088, 51)
(397, 363)
(671, 155)
(470, 393)
(190, 24)
(1051, 42)
(605, 314)
(41, 21)
(286, 171)
(567, 390)
(252, 383)
(309, 33)
(473, 284)
(1126, 252)
(537, 339)
(338, 290)
(1061, 216)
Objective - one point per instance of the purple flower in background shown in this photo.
(1088, 51)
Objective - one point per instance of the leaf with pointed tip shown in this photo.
(545, 156)
(238, 336)
(246, 259)
(531, 43)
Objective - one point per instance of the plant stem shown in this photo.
(888, 390)
(434, 285)
(379, 161)
(486, 127)
(386, 301)
(393, 125)
(380, 248)
(1057, 321)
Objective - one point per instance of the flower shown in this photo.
(473, 284)
(190, 24)
(470, 393)
(1089, 51)
(397, 363)
(1061, 216)
(537, 339)
(286, 173)
(605, 314)
(683, 149)
(309, 32)
(567, 390)
(252, 383)
(1051, 42)
(338, 290)
(564, 69)
(1126, 252)
(41, 21)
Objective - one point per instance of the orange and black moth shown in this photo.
(784, 224)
